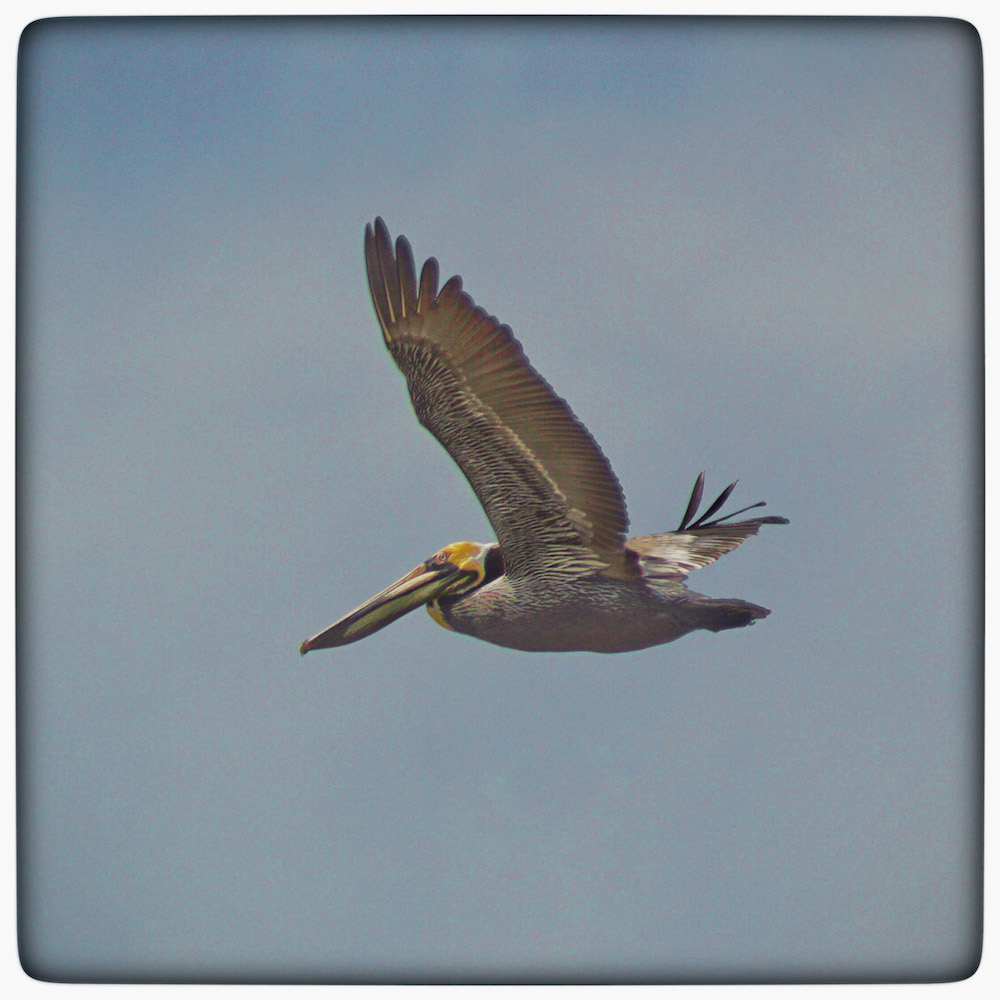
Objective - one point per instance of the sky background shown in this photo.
(745, 247)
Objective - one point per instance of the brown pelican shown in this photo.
(562, 575)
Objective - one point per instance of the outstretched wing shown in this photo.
(547, 489)
(698, 541)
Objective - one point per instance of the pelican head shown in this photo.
(456, 569)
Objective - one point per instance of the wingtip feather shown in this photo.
(694, 502)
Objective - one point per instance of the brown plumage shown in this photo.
(510, 434)
(562, 575)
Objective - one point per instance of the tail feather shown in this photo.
(717, 615)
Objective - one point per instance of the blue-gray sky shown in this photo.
(748, 247)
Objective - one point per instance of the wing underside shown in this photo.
(544, 484)
(699, 541)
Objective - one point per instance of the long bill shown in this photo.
(420, 586)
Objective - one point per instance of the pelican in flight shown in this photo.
(561, 575)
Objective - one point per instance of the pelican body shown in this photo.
(562, 575)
